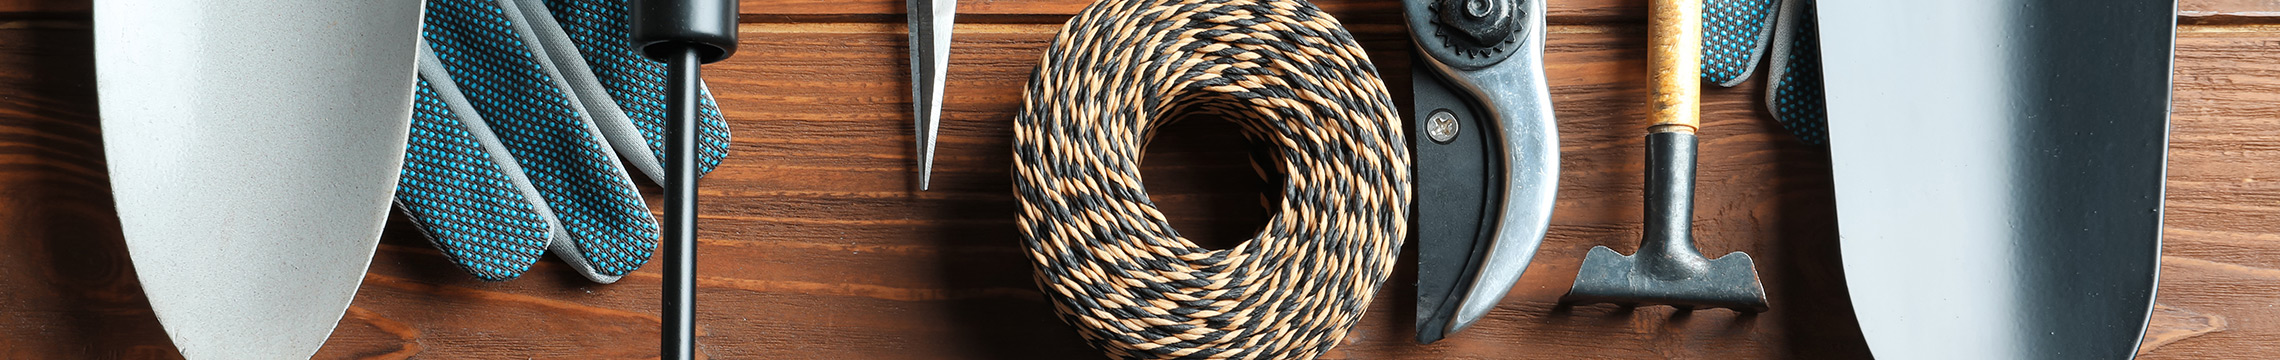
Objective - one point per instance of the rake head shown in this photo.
(1678, 279)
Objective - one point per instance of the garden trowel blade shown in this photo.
(253, 149)
(1998, 169)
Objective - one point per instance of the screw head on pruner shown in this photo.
(1442, 127)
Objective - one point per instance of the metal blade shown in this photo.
(1484, 197)
(1999, 172)
(254, 147)
(930, 28)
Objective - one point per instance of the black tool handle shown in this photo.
(680, 243)
(663, 27)
(683, 34)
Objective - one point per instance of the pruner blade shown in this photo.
(1487, 154)
(930, 25)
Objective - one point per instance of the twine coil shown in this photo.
(1298, 84)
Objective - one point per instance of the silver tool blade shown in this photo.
(253, 149)
(930, 27)
(1470, 256)
(1998, 169)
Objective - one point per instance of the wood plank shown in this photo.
(949, 250)
(2221, 251)
(1557, 12)
(67, 289)
(1055, 11)
(816, 247)
(1566, 12)
(942, 277)
(30, 7)
(2228, 11)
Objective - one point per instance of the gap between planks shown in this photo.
(2227, 28)
(896, 28)
(974, 28)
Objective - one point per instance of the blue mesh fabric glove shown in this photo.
(1735, 33)
(523, 111)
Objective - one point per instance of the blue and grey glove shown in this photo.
(1735, 33)
(523, 112)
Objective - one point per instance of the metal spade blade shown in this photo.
(1998, 169)
(253, 150)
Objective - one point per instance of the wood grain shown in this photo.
(2220, 270)
(816, 245)
(67, 290)
(2229, 11)
(1560, 12)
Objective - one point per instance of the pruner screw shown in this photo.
(1442, 126)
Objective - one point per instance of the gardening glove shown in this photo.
(1735, 33)
(523, 112)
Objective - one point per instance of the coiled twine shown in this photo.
(1298, 84)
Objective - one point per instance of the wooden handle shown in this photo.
(1674, 60)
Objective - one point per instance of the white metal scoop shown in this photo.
(253, 150)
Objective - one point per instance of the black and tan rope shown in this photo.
(1300, 86)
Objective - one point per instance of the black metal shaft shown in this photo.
(680, 243)
(1667, 250)
(683, 34)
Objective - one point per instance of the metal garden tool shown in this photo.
(1668, 270)
(930, 27)
(253, 148)
(683, 34)
(1486, 154)
(1999, 172)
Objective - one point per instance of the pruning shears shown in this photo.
(1486, 150)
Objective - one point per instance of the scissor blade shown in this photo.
(930, 25)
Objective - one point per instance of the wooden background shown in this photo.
(816, 245)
